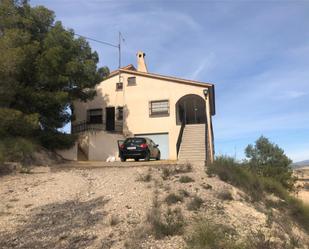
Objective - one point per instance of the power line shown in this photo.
(79, 35)
(95, 40)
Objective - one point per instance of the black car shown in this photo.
(139, 148)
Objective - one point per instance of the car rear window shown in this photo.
(136, 141)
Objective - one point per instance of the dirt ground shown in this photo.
(88, 206)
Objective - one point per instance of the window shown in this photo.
(119, 86)
(131, 81)
(159, 108)
(119, 113)
(94, 116)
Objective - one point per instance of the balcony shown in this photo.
(83, 126)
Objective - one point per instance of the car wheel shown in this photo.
(136, 159)
(158, 156)
(123, 159)
(147, 157)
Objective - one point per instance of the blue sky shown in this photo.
(255, 52)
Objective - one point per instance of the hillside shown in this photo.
(300, 164)
(134, 206)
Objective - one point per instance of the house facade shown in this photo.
(175, 113)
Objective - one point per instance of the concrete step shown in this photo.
(192, 151)
(193, 132)
(193, 146)
(192, 140)
(192, 159)
(191, 154)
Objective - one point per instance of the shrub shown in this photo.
(168, 223)
(56, 140)
(16, 149)
(166, 172)
(183, 193)
(299, 211)
(208, 235)
(195, 203)
(186, 179)
(173, 198)
(238, 175)
(170, 171)
(114, 220)
(225, 195)
(256, 186)
(145, 178)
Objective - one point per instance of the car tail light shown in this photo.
(121, 146)
(144, 146)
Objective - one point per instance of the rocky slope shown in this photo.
(117, 207)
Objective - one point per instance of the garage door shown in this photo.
(161, 139)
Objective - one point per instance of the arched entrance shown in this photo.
(190, 109)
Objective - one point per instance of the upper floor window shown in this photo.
(159, 108)
(94, 116)
(119, 86)
(131, 81)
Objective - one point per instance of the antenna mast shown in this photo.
(119, 49)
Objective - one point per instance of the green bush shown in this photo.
(258, 186)
(16, 149)
(268, 159)
(56, 140)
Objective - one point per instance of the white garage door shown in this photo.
(161, 139)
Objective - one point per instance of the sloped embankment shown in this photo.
(137, 207)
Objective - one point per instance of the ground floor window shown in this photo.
(94, 116)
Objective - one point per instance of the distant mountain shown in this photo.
(300, 164)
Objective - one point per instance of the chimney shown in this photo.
(141, 65)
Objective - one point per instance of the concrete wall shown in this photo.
(135, 100)
(69, 154)
(103, 144)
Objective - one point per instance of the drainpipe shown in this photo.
(209, 145)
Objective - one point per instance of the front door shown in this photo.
(110, 118)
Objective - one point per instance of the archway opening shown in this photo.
(190, 109)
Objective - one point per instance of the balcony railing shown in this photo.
(86, 126)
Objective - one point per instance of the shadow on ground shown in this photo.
(57, 225)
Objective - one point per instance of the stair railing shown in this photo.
(183, 124)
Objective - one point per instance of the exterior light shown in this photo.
(205, 91)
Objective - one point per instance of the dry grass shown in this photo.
(114, 220)
(195, 203)
(225, 195)
(173, 198)
(186, 179)
(167, 172)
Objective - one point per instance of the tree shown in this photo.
(43, 69)
(268, 159)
